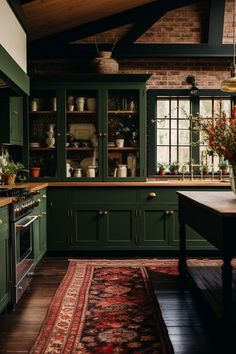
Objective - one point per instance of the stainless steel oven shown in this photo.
(22, 220)
(22, 255)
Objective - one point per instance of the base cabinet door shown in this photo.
(59, 223)
(86, 228)
(157, 226)
(119, 226)
(4, 258)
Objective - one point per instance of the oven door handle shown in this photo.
(20, 226)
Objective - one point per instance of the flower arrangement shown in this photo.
(220, 134)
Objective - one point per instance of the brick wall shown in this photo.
(185, 25)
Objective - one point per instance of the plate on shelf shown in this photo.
(82, 131)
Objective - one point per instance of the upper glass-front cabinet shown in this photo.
(89, 131)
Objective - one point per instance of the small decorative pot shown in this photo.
(35, 171)
(120, 142)
(103, 63)
(162, 172)
(9, 179)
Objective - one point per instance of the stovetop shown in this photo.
(14, 192)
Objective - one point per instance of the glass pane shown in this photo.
(42, 133)
(173, 124)
(162, 137)
(174, 137)
(174, 108)
(163, 123)
(82, 128)
(205, 108)
(123, 133)
(163, 154)
(184, 137)
(163, 108)
(184, 123)
(226, 107)
(184, 108)
(184, 155)
(174, 153)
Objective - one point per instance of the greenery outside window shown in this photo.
(170, 135)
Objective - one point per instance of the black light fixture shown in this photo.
(229, 85)
(191, 80)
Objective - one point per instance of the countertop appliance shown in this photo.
(22, 221)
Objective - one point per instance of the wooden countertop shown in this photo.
(5, 201)
(158, 183)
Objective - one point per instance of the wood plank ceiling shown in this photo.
(47, 17)
(53, 25)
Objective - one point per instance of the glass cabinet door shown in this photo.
(42, 133)
(82, 148)
(123, 139)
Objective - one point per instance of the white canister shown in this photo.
(120, 142)
(68, 170)
(91, 171)
(80, 102)
(34, 105)
(122, 171)
(91, 104)
(78, 172)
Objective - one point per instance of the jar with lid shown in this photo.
(91, 171)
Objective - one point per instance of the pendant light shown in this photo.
(229, 85)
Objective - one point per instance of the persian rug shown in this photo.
(106, 306)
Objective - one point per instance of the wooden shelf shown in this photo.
(80, 148)
(43, 112)
(122, 112)
(42, 148)
(128, 148)
(80, 112)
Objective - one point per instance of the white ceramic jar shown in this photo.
(91, 171)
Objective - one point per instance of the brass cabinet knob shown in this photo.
(100, 212)
(105, 212)
(100, 134)
(152, 195)
(1, 221)
(169, 212)
(104, 134)
(44, 196)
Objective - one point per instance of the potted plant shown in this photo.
(223, 166)
(10, 171)
(204, 169)
(35, 169)
(122, 130)
(174, 167)
(162, 168)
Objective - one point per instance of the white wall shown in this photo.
(12, 36)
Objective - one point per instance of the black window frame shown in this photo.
(151, 114)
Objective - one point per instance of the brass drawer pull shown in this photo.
(152, 195)
(1, 221)
(44, 196)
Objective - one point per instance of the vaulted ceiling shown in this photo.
(56, 27)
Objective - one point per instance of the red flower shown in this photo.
(231, 120)
(229, 155)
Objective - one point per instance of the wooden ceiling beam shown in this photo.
(137, 51)
(216, 22)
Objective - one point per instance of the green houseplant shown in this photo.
(223, 166)
(162, 168)
(10, 171)
(174, 167)
(204, 169)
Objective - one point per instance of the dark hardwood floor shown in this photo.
(191, 328)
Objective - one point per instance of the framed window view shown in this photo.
(173, 143)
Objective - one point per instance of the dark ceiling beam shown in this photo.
(105, 24)
(139, 28)
(137, 51)
(216, 22)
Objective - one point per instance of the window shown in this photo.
(170, 135)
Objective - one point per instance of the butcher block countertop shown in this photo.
(34, 186)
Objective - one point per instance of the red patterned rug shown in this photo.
(106, 306)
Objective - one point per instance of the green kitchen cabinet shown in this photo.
(102, 218)
(89, 128)
(40, 226)
(11, 112)
(4, 258)
(58, 225)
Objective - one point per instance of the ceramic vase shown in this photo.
(50, 141)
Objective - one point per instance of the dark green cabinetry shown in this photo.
(119, 218)
(11, 112)
(89, 128)
(4, 258)
(40, 226)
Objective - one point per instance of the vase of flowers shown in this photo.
(220, 134)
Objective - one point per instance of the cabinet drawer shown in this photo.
(156, 195)
(4, 218)
(102, 195)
